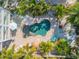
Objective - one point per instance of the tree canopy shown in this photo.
(33, 8)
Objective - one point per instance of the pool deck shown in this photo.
(20, 41)
(34, 40)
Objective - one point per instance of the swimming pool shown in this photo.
(41, 28)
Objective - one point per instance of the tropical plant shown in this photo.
(45, 48)
(0, 55)
(10, 5)
(27, 52)
(22, 6)
(77, 53)
(60, 10)
(63, 48)
(77, 41)
(1, 2)
(7, 54)
(32, 7)
(40, 8)
(22, 53)
(74, 16)
(74, 19)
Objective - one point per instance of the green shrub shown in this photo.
(46, 47)
(63, 48)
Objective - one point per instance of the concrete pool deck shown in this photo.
(19, 40)
(34, 40)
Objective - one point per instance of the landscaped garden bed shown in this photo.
(44, 51)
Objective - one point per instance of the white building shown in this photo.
(4, 30)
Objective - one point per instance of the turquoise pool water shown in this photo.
(41, 32)
(41, 28)
(59, 33)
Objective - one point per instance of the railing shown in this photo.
(57, 56)
(3, 43)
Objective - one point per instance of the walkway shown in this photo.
(19, 40)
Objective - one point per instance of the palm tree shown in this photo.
(32, 7)
(46, 47)
(74, 16)
(60, 10)
(22, 53)
(22, 7)
(63, 47)
(38, 9)
(10, 5)
(7, 54)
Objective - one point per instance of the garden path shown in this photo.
(19, 40)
